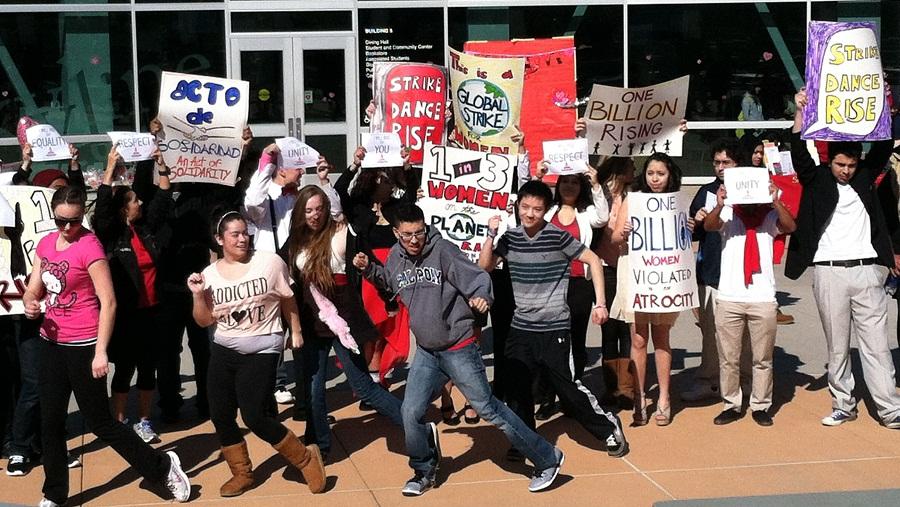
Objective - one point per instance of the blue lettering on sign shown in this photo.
(200, 117)
(190, 90)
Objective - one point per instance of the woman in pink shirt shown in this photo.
(71, 276)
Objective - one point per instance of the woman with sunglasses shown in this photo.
(71, 276)
(127, 229)
(244, 296)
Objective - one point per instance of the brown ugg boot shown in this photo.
(307, 459)
(238, 460)
(625, 376)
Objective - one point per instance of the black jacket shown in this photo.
(709, 258)
(128, 281)
(820, 197)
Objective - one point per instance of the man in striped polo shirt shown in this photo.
(538, 256)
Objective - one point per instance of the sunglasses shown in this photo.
(62, 222)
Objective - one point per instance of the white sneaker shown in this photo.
(177, 481)
(701, 391)
(283, 396)
(144, 429)
(838, 417)
(47, 503)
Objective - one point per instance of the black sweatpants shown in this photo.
(246, 382)
(67, 369)
(133, 347)
(529, 353)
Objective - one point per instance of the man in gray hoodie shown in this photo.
(434, 279)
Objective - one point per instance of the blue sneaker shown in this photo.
(543, 479)
(893, 424)
(839, 417)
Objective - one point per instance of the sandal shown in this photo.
(663, 416)
(470, 420)
(640, 411)
(449, 415)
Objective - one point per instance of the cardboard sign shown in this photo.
(663, 277)
(747, 185)
(463, 190)
(295, 154)
(548, 90)
(382, 150)
(133, 146)
(566, 157)
(844, 84)
(203, 119)
(46, 143)
(31, 207)
(487, 97)
(626, 122)
(411, 101)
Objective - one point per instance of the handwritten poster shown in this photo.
(568, 156)
(133, 146)
(663, 277)
(411, 101)
(295, 154)
(627, 122)
(203, 119)
(549, 87)
(463, 190)
(487, 99)
(747, 185)
(31, 207)
(46, 143)
(844, 84)
(382, 150)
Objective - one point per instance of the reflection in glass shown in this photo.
(333, 148)
(188, 42)
(323, 85)
(264, 70)
(745, 60)
(72, 70)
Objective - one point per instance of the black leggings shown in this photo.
(133, 347)
(65, 370)
(246, 382)
(616, 340)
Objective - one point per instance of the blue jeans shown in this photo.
(315, 365)
(431, 370)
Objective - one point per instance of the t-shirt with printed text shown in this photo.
(72, 311)
(250, 305)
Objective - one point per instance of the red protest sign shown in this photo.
(410, 100)
(549, 80)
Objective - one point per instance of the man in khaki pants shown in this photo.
(746, 299)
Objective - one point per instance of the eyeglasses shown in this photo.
(62, 222)
(408, 236)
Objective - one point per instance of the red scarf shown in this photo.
(751, 245)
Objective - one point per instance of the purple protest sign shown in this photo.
(844, 84)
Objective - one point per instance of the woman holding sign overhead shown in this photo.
(127, 229)
(660, 175)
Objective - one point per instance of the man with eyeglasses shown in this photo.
(434, 278)
(726, 153)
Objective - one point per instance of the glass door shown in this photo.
(301, 86)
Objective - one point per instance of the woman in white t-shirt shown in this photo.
(243, 296)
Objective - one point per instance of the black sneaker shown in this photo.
(546, 411)
(616, 445)
(18, 465)
(72, 460)
(727, 417)
(420, 483)
(762, 418)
